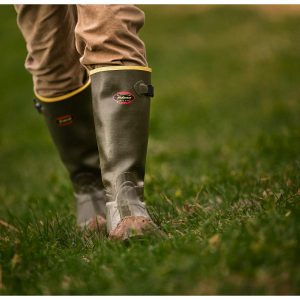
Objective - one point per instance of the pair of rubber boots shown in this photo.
(105, 124)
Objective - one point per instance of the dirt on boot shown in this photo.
(132, 227)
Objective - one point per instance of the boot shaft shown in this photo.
(121, 103)
(71, 125)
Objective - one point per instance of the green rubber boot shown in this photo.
(70, 122)
(121, 103)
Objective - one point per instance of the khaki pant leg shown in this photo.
(107, 35)
(52, 58)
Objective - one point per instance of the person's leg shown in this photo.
(52, 58)
(107, 40)
(63, 93)
(107, 35)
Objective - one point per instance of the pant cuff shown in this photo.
(63, 97)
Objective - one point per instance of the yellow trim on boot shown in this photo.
(117, 68)
(63, 97)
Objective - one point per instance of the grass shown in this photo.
(222, 171)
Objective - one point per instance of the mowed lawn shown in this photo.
(223, 170)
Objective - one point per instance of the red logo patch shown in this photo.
(64, 120)
(123, 97)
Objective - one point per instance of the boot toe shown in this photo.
(132, 227)
(95, 224)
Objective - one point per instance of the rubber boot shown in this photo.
(70, 122)
(121, 103)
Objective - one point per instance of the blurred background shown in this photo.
(222, 171)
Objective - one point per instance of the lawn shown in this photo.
(223, 167)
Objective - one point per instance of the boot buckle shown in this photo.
(37, 105)
(144, 89)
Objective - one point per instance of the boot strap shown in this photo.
(150, 91)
